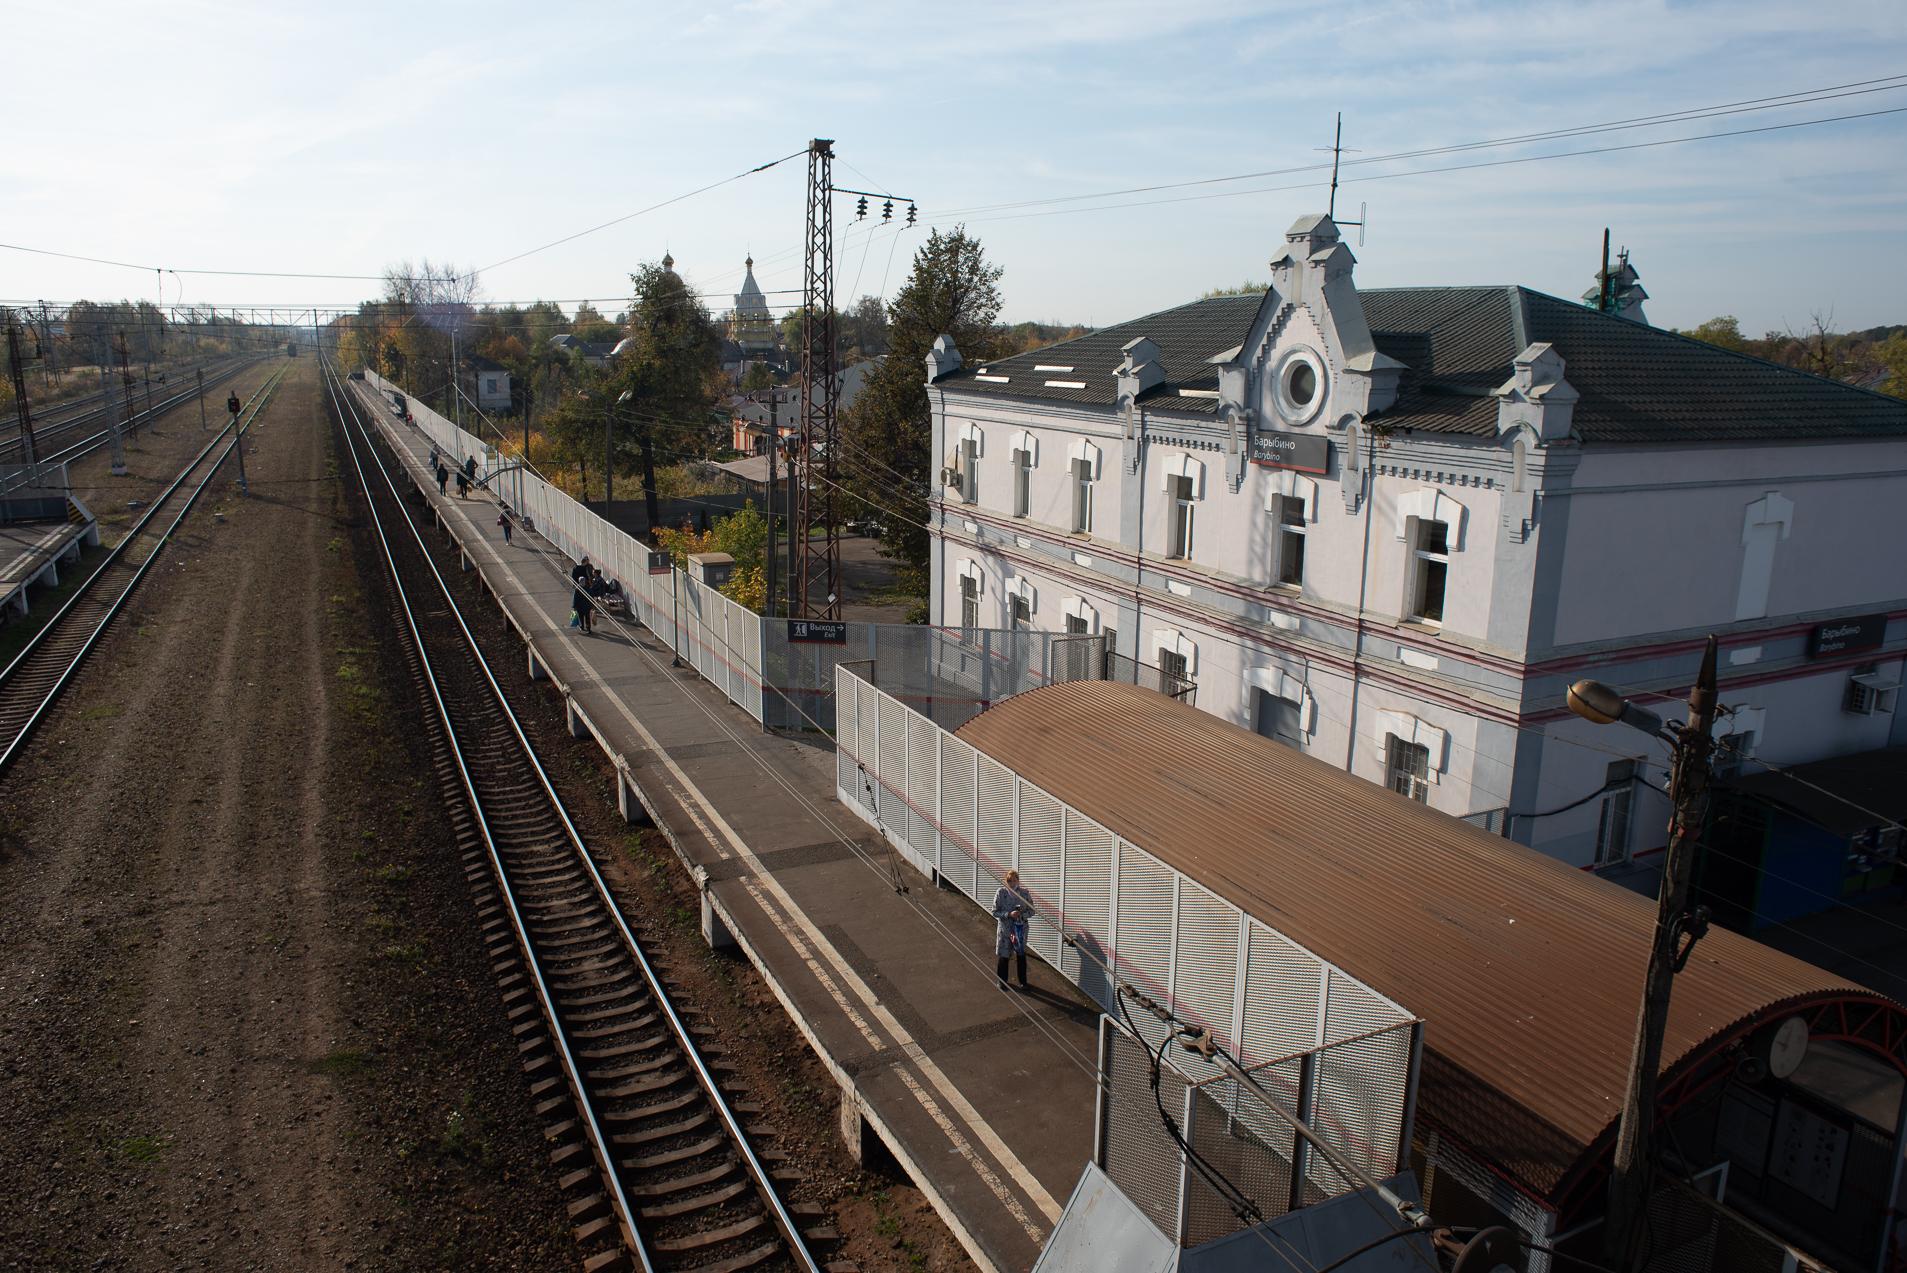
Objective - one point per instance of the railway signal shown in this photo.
(233, 405)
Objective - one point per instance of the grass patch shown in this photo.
(392, 873)
(105, 711)
(411, 953)
(341, 1064)
(142, 1149)
(336, 545)
(361, 696)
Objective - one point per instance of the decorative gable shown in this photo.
(1309, 360)
(1536, 396)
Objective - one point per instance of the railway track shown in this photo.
(91, 416)
(659, 1162)
(40, 673)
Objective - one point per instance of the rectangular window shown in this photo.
(1083, 497)
(1612, 824)
(1172, 664)
(1407, 768)
(1022, 612)
(1076, 624)
(1112, 640)
(969, 471)
(1179, 541)
(1430, 571)
(1289, 513)
(1022, 483)
(1277, 718)
(969, 603)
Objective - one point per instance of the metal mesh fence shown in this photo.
(1247, 1146)
(1134, 1148)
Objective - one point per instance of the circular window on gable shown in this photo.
(1300, 386)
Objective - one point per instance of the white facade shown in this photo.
(1557, 558)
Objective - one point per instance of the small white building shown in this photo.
(1389, 527)
(490, 383)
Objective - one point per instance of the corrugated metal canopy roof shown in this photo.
(1526, 971)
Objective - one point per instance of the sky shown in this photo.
(344, 138)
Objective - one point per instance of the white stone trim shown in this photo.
(970, 569)
(1279, 683)
(1025, 441)
(1292, 486)
(971, 432)
(1022, 586)
(1181, 464)
(1080, 608)
(1428, 504)
(1412, 730)
(1081, 449)
(1178, 643)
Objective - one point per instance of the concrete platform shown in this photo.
(985, 1099)
(30, 554)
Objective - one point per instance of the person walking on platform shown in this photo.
(581, 575)
(1011, 909)
(503, 520)
(470, 468)
(443, 480)
(463, 485)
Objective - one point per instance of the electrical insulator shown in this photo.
(887, 210)
(911, 213)
(860, 209)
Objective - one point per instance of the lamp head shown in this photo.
(1594, 701)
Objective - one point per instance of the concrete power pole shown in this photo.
(125, 392)
(774, 445)
(1630, 1178)
(204, 424)
(20, 407)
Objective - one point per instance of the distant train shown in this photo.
(291, 349)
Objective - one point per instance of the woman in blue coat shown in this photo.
(1011, 910)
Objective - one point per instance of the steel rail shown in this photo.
(44, 432)
(54, 627)
(764, 1185)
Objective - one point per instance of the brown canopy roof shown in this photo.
(1526, 971)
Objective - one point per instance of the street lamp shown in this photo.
(609, 471)
(1688, 789)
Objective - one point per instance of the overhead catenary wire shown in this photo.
(1449, 168)
(1797, 98)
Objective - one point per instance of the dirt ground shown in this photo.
(244, 1019)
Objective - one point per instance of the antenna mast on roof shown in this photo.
(1337, 149)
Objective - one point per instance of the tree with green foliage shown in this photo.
(757, 378)
(1723, 331)
(672, 371)
(887, 455)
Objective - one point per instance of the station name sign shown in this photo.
(1864, 632)
(818, 631)
(1305, 452)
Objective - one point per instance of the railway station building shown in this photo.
(1388, 527)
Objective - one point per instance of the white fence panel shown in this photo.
(957, 778)
(923, 783)
(1088, 890)
(1041, 847)
(993, 845)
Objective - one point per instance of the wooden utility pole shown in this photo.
(1630, 1177)
(203, 423)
